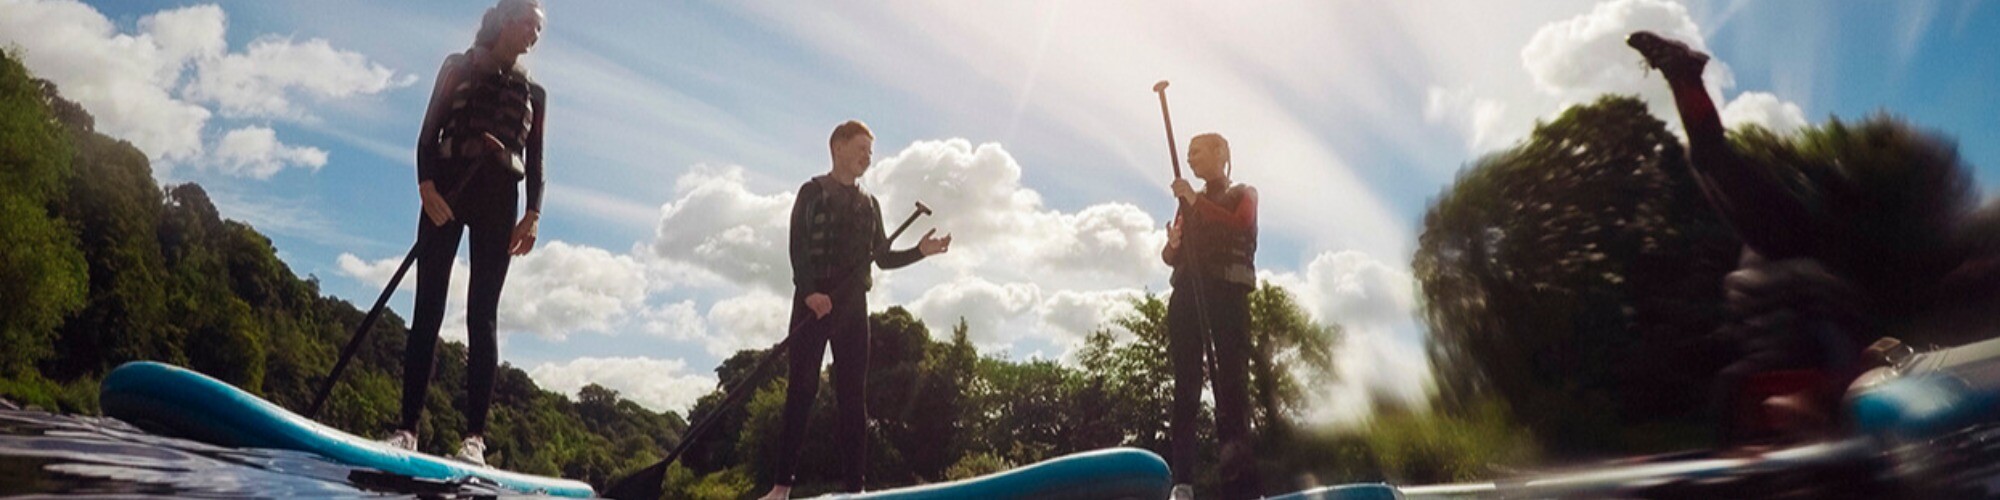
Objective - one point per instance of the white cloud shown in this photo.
(986, 307)
(1761, 108)
(558, 289)
(255, 152)
(1479, 119)
(1352, 288)
(264, 79)
(676, 321)
(1069, 315)
(187, 33)
(1586, 55)
(1001, 228)
(1381, 351)
(657, 384)
(561, 288)
(123, 79)
(755, 320)
(719, 226)
(139, 86)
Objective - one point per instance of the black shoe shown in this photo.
(1671, 57)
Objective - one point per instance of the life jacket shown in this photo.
(490, 101)
(845, 224)
(1215, 249)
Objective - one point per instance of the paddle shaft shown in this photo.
(646, 483)
(1194, 275)
(375, 313)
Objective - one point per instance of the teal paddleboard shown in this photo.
(179, 402)
(1107, 474)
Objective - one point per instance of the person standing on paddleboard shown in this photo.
(1212, 246)
(481, 136)
(836, 231)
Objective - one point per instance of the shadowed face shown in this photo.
(520, 34)
(1207, 155)
(852, 157)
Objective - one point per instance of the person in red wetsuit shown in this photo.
(1212, 245)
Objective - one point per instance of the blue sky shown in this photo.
(679, 129)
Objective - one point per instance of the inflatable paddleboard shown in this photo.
(1107, 474)
(175, 401)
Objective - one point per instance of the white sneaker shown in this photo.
(1183, 492)
(778, 493)
(402, 439)
(472, 450)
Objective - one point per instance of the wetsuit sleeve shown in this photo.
(802, 222)
(890, 259)
(534, 149)
(1243, 216)
(427, 135)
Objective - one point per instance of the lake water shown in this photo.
(48, 454)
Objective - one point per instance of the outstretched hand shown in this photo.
(933, 245)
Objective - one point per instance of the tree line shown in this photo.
(106, 266)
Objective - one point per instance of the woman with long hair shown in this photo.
(481, 137)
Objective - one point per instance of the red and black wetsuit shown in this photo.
(836, 233)
(503, 102)
(1216, 263)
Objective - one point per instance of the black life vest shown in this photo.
(845, 224)
(490, 101)
(1215, 249)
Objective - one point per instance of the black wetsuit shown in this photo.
(836, 232)
(1218, 247)
(508, 105)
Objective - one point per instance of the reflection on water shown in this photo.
(43, 453)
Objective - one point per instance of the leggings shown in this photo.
(1228, 310)
(846, 329)
(486, 210)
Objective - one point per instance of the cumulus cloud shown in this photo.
(1586, 55)
(1766, 110)
(153, 86)
(717, 225)
(1070, 315)
(255, 152)
(1576, 59)
(266, 78)
(755, 320)
(1480, 119)
(561, 288)
(977, 194)
(558, 289)
(1381, 351)
(658, 384)
(988, 308)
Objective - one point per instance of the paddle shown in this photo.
(648, 482)
(375, 313)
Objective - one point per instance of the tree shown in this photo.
(1574, 273)
(41, 271)
(1288, 353)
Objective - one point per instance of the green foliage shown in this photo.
(104, 266)
(1573, 277)
(1888, 200)
(41, 271)
(975, 465)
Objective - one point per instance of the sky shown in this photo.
(679, 131)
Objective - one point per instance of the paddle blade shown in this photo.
(643, 485)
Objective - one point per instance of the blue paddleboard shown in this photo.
(1111, 473)
(180, 402)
